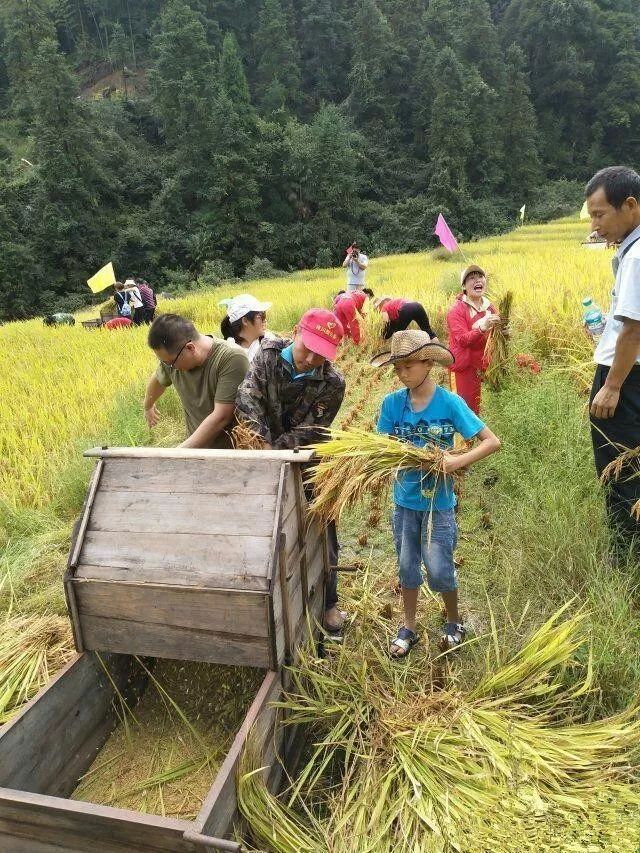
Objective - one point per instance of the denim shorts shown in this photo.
(414, 547)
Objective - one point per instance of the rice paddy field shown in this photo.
(528, 738)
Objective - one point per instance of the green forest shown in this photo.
(191, 141)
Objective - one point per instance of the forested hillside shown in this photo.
(185, 139)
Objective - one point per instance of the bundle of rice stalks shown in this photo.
(244, 438)
(496, 351)
(32, 650)
(415, 767)
(625, 466)
(356, 463)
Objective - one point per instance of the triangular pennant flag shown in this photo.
(584, 213)
(522, 212)
(444, 233)
(102, 279)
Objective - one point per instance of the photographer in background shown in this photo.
(356, 263)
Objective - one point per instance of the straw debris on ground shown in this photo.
(163, 756)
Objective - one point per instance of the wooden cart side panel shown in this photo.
(179, 559)
(68, 721)
(191, 476)
(216, 610)
(122, 513)
(219, 810)
(168, 641)
(32, 823)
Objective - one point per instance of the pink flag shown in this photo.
(444, 233)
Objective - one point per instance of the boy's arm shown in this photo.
(488, 443)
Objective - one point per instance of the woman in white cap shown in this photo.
(469, 322)
(135, 301)
(245, 323)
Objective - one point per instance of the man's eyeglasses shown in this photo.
(172, 364)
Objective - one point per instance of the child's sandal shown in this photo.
(405, 641)
(453, 635)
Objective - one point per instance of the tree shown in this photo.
(26, 27)
(120, 53)
(278, 59)
(521, 166)
(450, 137)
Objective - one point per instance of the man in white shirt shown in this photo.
(356, 263)
(613, 202)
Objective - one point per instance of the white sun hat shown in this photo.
(240, 305)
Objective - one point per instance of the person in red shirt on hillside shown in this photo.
(469, 322)
(399, 313)
(348, 309)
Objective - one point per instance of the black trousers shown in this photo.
(609, 437)
(409, 311)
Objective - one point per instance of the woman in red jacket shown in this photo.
(469, 322)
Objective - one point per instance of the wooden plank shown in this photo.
(190, 476)
(220, 807)
(169, 641)
(176, 557)
(33, 822)
(288, 621)
(185, 578)
(216, 610)
(301, 523)
(86, 513)
(54, 738)
(259, 456)
(148, 512)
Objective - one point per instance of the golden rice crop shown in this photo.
(496, 350)
(356, 462)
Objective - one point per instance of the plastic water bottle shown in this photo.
(593, 319)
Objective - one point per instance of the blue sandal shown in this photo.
(405, 641)
(453, 635)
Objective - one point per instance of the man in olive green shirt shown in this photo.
(205, 372)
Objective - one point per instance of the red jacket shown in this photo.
(465, 343)
(392, 308)
(346, 307)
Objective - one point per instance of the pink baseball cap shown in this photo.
(321, 332)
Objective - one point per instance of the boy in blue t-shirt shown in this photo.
(424, 413)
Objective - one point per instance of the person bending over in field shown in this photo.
(205, 372)
(290, 393)
(469, 322)
(397, 314)
(613, 202)
(349, 309)
(424, 522)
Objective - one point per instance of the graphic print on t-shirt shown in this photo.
(440, 431)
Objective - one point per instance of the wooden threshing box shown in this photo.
(201, 555)
(180, 554)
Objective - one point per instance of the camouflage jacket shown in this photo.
(284, 411)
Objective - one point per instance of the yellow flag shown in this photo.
(584, 213)
(102, 279)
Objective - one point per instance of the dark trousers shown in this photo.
(148, 315)
(609, 437)
(409, 312)
(333, 548)
(138, 316)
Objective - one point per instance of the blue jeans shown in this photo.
(414, 547)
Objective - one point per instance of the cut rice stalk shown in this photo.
(355, 462)
(496, 351)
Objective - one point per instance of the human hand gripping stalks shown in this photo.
(496, 351)
(355, 462)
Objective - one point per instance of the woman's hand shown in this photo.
(487, 322)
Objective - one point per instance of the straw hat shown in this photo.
(413, 343)
(468, 270)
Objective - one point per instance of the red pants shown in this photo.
(467, 384)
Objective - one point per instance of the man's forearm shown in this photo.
(153, 392)
(209, 429)
(627, 351)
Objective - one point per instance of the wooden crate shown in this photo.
(54, 740)
(201, 555)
